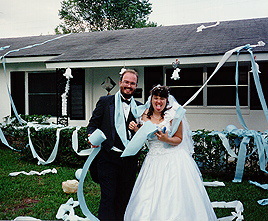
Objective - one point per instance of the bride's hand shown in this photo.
(162, 136)
(175, 140)
(133, 126)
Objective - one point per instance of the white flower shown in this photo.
(122, 71)
(175, 75)
(70, 186)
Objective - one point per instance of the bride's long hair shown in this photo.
(161, 91)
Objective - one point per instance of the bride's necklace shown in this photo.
(157, 118)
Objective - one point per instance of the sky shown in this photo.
(40, 17)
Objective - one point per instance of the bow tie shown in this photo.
(126, 101)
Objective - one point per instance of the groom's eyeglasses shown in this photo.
(129, 83)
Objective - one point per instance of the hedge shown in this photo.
(210, 155)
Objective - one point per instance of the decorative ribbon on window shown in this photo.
(238, 110)
(261, 145)
(255, 72)
(21, 121)
(225, 57)
(64, 96)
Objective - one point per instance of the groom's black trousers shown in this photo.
(117, 177)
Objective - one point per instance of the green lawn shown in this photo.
(41, 196)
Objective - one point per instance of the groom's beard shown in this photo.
(127, 96)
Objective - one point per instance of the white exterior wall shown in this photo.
(199, 118)
(4, 100)
(218, 118)
(93, 90)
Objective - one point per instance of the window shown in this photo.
(152, 76)
(77, 95)
(42, 93)
(18, 91)
(254, 98)
(45, 90)
(191, 79)
(220, 90)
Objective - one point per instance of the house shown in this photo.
(34, 74)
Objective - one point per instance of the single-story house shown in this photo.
(34, 74)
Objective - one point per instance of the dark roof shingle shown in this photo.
(153, 42)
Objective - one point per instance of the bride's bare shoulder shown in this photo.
(144, 116)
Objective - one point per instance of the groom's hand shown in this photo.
(93, 146)
(133, 126)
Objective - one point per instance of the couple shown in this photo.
(169, 186)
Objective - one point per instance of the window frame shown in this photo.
(204, 92)
(58, 92)
(28, 93)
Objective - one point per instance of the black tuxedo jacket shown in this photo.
(103, 119)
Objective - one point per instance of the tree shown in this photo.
(99, 15)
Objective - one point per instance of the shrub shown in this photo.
(212, 157)
(44, 140)
(210, 154)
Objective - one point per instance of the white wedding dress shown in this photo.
(169, 186)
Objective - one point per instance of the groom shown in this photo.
(115, 174)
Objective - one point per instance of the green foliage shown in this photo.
(212, 157)
(13, 121)
(44, 140)
(210, 154)
(99, 15)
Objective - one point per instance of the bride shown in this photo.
(169, 186)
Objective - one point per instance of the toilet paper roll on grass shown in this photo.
(97, 137)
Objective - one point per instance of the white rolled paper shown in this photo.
(214, 183)
(97, 137)
(139, 139)
(78, 174)
(28, 218)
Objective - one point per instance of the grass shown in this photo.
(41, 196)
(38, 196)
